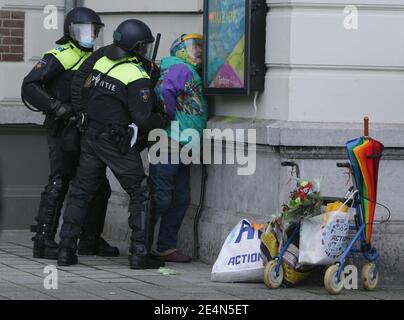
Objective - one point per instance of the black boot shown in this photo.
(50, 207)
(45, 246)
(141, 220)
(141, 259)
(145, 262)
(44, 249)
(96, 246)
(67, 252)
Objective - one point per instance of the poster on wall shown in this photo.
(225, 37)
(234, 34)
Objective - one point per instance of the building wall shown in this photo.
(319, 71)
(170, 18)
(23, 149)
(12, 35)
(24, 172)
(321, 80)
(36, 40)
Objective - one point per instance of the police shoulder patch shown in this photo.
(145, 94)
(60, 49)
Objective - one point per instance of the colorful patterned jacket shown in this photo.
(181, 94)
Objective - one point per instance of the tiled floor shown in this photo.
(22, 277)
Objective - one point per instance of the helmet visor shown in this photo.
(85, 34)
(99, 40)
(145, 49)
(194, 49)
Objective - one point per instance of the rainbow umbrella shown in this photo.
(373, 154)
(364, 154)
(350, 145)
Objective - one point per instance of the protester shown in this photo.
(180, 92)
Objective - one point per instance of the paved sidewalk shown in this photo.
(22, 278)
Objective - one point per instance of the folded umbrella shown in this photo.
(350, 145)
(366, 191)
(364, 154)
(373, 154)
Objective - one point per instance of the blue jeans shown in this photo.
(172, 187)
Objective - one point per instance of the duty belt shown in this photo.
(120, 135)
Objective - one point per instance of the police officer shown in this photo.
(120, 95)
(47, 88)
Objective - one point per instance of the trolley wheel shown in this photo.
(370, 276)
(331, 283)
(271, 280)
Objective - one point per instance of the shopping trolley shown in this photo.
(361, 196)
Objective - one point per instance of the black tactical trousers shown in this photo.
(63, 167)
(98, 151)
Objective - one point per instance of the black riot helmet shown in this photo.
(132, 37)
(82, 26)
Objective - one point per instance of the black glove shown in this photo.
(152, 70)
(154, 73)
(71, 137)
(62, 110)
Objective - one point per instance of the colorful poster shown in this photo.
(226, 43)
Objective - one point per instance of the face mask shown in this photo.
(84, 34)
(87, 43)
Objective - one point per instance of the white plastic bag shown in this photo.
(240, 259)
(323, 239)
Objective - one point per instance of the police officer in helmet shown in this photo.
(47, 89)
(119, 94)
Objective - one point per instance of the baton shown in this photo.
(156, 47)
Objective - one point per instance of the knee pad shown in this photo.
(52, 198)
(74, 214)
(141, 195)
(139, 206)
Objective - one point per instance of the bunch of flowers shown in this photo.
(304, 201)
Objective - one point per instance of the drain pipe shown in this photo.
(204, 176)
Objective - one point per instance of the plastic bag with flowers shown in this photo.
(304, 201)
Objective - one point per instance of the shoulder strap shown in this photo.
(80, 77)
(82, 74)
(76, 63)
